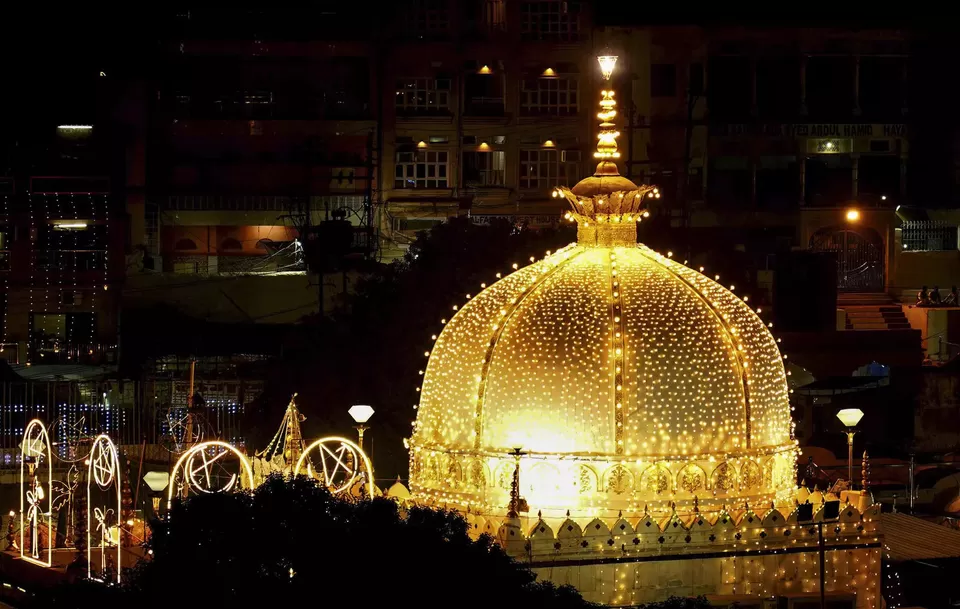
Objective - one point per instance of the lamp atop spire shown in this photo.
(607, 63)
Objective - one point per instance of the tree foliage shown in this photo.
(290, 541)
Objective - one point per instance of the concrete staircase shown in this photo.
(872, 312)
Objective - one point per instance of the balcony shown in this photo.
(484, 179)
(71, 260)
(484, 107)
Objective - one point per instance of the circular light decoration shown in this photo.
(341, 463)
(35, 493)
(104, 473)
(204, 469)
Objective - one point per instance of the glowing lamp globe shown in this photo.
(361, 413)
(157, 481)
(850, 416)
(607, 63)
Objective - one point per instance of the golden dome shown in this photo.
(628, 379)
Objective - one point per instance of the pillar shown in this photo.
(904, 88)
(803, 179)
(903, 175)
(803, 85)
(753, 180)
(856, 86)
(855, 171)
(753, 85)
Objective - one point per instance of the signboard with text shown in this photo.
(528, 219)
(810, 130)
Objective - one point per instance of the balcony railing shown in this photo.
(71, 260)
(928, 236)
(484, 106)
(485, 177)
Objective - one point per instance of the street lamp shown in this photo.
(850, 417)
(361, 413)
(607, 63)
(156, 482)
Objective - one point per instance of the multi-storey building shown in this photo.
(745, 129)
(62, 229)
(261, 128)
(487, 108)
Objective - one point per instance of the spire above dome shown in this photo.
(606, 205)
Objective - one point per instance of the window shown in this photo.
(484, 168)
(778, 87)
(544, 169)
(4, 248)
(829, 87)
(696, 79)
(231, 244)
(483, 95)
(185, 268)
(71, 245)
(428, 17)
(552, 20)
(731, 98)
(414, 224)
(421, 169)
(423, 95)
(556, 96)
(929, 236)
(663, 80)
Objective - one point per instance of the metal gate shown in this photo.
(859, 257)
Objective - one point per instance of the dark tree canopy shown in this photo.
(291, 542)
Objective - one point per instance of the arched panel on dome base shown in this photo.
(454, 472)
(751, 476)
(504, 476)
(542, 482)
(477, 475)
(618, 480)
(692, 479)
(656, 480)
(723, 479)
(586, 481)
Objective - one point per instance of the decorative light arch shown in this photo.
(198, 479)
(342, 445)
(36, 445)
(104, 472)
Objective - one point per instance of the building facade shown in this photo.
(487, 109)
(744, 128)
(260, 131)
(63, 234)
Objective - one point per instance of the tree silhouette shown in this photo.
(291, 541)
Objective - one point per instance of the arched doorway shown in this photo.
(859, 256)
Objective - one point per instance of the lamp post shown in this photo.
(361, 413)
(850, 417)
(156, 482)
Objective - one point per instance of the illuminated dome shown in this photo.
(628, 380)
